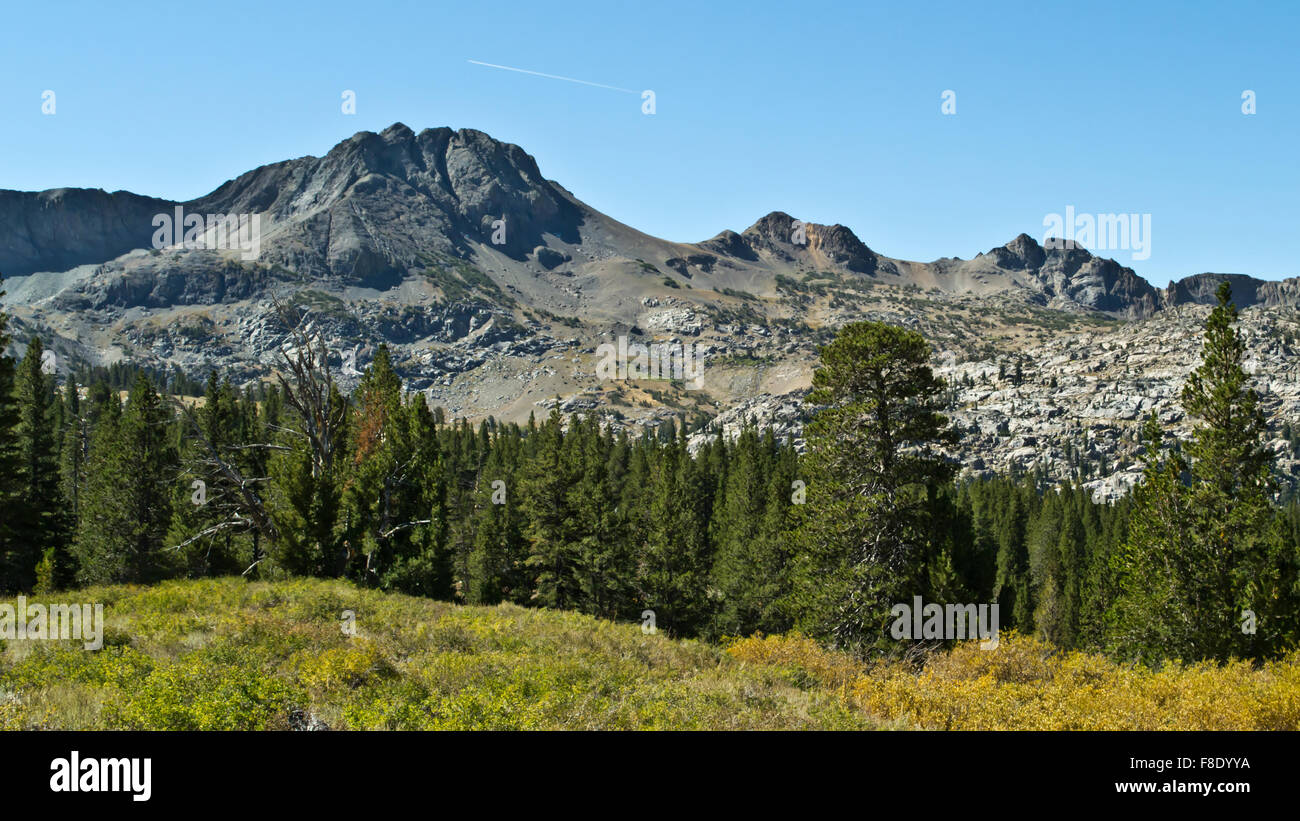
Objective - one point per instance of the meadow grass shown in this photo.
(224, 654)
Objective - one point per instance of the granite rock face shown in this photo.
(378, 207)
(381, 204)
(495, 290)
(65, 227)
(1199, 289)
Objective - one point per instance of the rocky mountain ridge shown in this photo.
(495, 287)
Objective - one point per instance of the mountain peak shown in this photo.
(1021, 253)
(1022, 243)
(381, 205)
(778, 233)
(397, 131)
(775, 226)
(378, 205)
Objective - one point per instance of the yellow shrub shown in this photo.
(352, 665)
(800, 658)
(1025, 684)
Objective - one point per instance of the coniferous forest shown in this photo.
(445, 378)
(293, 478)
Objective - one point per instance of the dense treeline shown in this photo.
(736, 537)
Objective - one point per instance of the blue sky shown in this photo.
(829, 111)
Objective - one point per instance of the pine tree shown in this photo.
(76, 447)
(1205, 553)
(607, 562)
(14, 554)
(873, 464)
(302, 506)
(128, 499)
(674, 564)
(1148, 618)
(202, 522)
(1056, 556)
(543, 491)
(749, 568)
(1012, 588)
(1246, 567)
(376, 489)
(43, 519)
(421, 564)
(1098, 585)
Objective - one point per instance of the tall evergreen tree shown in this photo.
(749, 569)
(607, 577)
(379, 502)
(873, 465)
(1205, 552)
(1013, 590)
(74, 450)
(1248, 567)
(303, 505)
(543, 490)
(42, 514)
(14, 553)
(421, 563)
(121, 532)
(674, 563)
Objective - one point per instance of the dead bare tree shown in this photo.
(308, 388)
(235, 496)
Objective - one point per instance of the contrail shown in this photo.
(555, 77)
